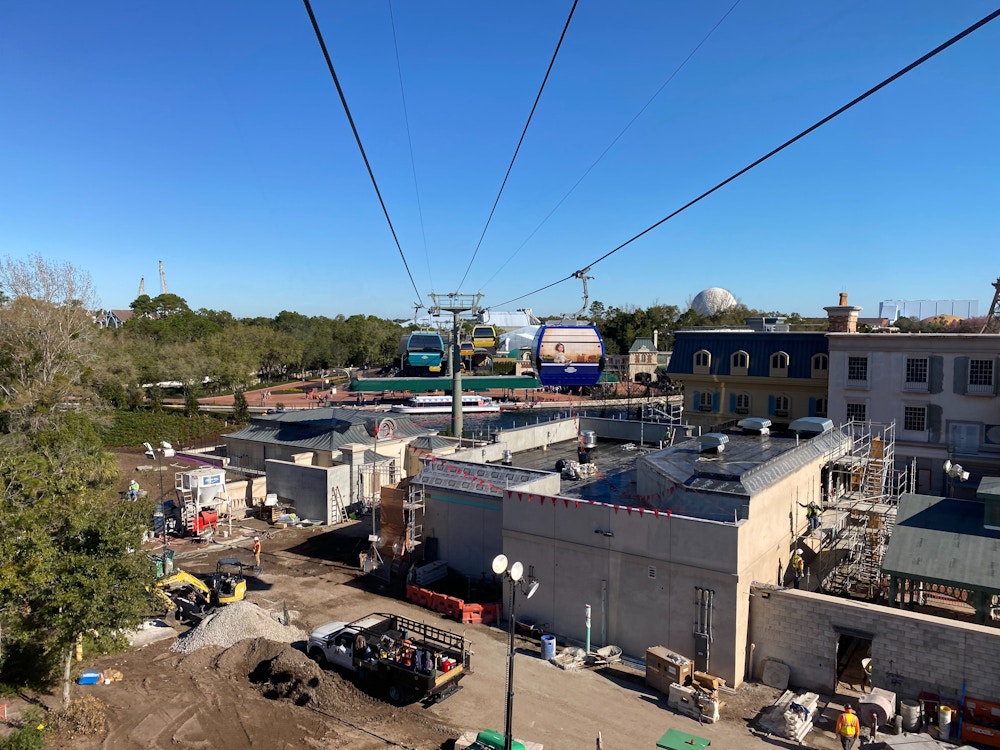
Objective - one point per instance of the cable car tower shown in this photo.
(993, 316)
(456, 304)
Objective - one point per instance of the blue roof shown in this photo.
(799, 346)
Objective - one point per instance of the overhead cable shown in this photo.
(357, 138)
(916, 63)
(615, 140)
(552, 62)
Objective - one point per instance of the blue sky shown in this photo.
(210, 136)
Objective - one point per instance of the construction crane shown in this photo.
(163, 279)
(993, 316)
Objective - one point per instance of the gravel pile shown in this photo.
(233, 623)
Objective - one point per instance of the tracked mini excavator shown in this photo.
(192, 599)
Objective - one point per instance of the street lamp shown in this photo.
(165, 450)
(953, 472)
(515, 575)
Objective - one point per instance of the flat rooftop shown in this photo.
(614, 482)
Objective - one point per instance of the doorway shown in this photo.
(854, 653)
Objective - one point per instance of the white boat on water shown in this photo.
(442, 405)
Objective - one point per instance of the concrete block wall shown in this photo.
(306, 487)
(911, 652)
(538, 435)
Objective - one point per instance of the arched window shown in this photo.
(820, 365)
(702, 361)
(739, 362)
(742, 403)
(779, 364)
(781, 406)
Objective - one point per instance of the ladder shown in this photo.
(339, 510)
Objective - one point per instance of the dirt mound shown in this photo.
(233, 623)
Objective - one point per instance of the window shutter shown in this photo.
(961, 384)
(935, 374)
(996, 377)
(715, 401)
(770, 405)
(812, 406)
(732, 403)
(933, 423)
(697, 402)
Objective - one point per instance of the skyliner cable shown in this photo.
(878, 87)
(615, 140)
(357, 138)
(552, 62)
(409, 141)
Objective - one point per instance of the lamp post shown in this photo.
(953, 472)
(165, 450)
(514, 574)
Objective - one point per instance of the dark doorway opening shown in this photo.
(854, 654)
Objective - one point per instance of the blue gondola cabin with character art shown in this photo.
(566, 355)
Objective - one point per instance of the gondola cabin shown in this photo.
(568, 355)
(424, 354)
(485, 337)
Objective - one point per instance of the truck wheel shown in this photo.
(317, 656)
(396, 695)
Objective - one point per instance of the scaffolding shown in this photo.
(861, 494)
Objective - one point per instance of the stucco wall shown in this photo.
(538, 435)
(640, 581)
(911, 652)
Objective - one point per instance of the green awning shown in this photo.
(426, 385)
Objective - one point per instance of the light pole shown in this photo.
(167, 450)
(953, 472)
(515, 575)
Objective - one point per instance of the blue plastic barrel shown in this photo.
(548, 647)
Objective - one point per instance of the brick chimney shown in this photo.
(843, 317)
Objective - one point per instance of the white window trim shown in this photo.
(916, 386)
(778, 371)
(915, 405)
(852, 383)
(701, 369)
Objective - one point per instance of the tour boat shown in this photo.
(442, 405)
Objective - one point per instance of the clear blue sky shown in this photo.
(210, 136)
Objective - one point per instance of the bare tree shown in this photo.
(47, 336)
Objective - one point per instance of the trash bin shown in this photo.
(548, 647)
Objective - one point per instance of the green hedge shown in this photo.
(133, 428)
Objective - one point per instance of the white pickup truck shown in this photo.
(402, 658)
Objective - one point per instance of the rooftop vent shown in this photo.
(755, 426)
(810, 426)
(713, 442)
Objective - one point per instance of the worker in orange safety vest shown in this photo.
(848, 728)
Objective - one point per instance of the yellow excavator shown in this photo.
(192, 599)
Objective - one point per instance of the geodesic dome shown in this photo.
(713, 300)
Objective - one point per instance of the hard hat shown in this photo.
(848, 709)
(256, 538)
(798, 552)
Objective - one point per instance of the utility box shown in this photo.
(206, 486)
(665, 667)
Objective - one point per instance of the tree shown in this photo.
(46, 339)
(67, 544)
(241, 410)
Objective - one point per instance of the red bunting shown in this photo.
(576, 503)
(628, 509)
(530, 497)
(616, 509)
(669, 513)
(566, 502)
(520, 496)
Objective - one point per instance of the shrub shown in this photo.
(87, 715)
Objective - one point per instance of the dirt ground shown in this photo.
(264, 694)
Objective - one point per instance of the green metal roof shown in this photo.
(943, 540)
(426, 385)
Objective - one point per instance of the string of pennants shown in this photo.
(521, 496)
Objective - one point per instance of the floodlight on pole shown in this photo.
(514, 574)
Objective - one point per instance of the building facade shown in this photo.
(732, 374)
(941, 390)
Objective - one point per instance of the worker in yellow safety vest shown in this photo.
(798, 567)
(848, 728)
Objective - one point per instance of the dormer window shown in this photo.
(779, 364)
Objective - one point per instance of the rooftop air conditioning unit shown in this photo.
(810, 426)
(755, 426)
(713, 442)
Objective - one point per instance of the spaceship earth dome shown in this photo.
(713, 300)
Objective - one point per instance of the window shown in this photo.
(980, 376)
(916, 374)
(781, 406)
(740, 361)
(652, 571)
(915, 418)
(857, 370)
(820, 363)
(705, 401)
(702, 361)
(779, 361)
(856, 412)
(742, 403)
(821, 407)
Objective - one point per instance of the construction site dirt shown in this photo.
(261, 693)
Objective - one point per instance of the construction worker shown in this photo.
(798, 568)
(133, 490)
(256, 551)
(848, 728)
(812, 515)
